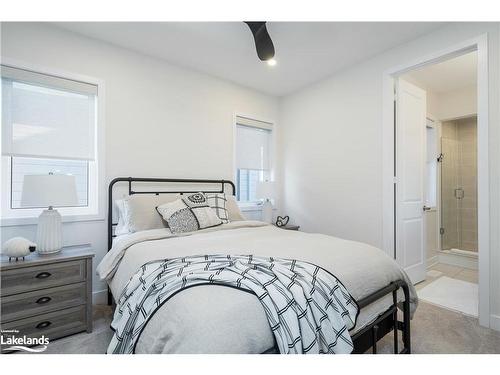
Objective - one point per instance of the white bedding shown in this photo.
(207, 319)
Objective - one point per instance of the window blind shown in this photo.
(252, 148)
(46, 116)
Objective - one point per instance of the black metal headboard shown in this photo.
(131, 191)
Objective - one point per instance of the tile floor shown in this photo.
(441, 269)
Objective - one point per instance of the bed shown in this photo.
(213, 319)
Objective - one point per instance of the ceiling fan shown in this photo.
(263, 42)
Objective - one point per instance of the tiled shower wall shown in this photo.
(459, 170)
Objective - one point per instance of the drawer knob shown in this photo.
(43, 325)
(43, 300)
(43, 275)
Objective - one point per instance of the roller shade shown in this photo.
(28, 76)
(47, 116)
(252, 148)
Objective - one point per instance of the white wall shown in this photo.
(457, 103)
(332, 144)
(160, 120)
(450, 105)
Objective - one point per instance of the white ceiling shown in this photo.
(452, 74)
(306, 51)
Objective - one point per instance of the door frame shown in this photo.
(437, 127)
(480, 45)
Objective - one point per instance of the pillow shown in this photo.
(122, 226)
(139, 211)
(189, 213)
(233, 210)
(217, 201)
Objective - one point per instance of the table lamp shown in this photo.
(265, 190)
(49, 190)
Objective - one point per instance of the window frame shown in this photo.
(253, 206)
(96, 197)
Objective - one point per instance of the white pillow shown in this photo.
(233, 210)
(139, 211)
(122, 226)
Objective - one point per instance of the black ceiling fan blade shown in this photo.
(263, 42)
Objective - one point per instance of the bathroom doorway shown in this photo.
(436, 113)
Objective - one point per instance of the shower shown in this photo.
(458, 228)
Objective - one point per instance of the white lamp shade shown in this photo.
(49, 190)
(265, 190)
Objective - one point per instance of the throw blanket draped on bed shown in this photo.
(308, 309)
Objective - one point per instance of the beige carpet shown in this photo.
(434, 330)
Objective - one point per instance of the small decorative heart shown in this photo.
(281, 221)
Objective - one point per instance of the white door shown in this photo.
(410, 167)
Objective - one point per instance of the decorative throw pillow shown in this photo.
(218, 201)
(189, 213)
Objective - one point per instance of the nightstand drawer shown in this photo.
(53, 325)
(23, 305)
(27, 279)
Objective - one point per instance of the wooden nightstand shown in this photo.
(290, 227)
(48, 295)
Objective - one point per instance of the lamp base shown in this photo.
(49, 232)
(267, 211)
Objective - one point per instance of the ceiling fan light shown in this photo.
(271, 62)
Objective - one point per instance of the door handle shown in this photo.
(425, 208)
(459, 193)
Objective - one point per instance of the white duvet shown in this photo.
(216, 319)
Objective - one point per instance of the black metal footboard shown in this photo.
(368, 337)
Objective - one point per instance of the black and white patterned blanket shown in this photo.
(308, 309)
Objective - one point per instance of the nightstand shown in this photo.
(48, 295)
(290, 227)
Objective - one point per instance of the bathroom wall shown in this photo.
(459, 170)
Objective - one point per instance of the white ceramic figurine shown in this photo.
(18, 247)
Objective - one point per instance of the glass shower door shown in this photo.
(451, 194)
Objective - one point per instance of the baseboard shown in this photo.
(100, 297)
(495, 322)
(432, 261)
(458, 260)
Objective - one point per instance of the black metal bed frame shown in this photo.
(364, 339)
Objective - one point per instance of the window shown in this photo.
(49, 125)
(253, 157)
(431, 165)
(30, 166)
